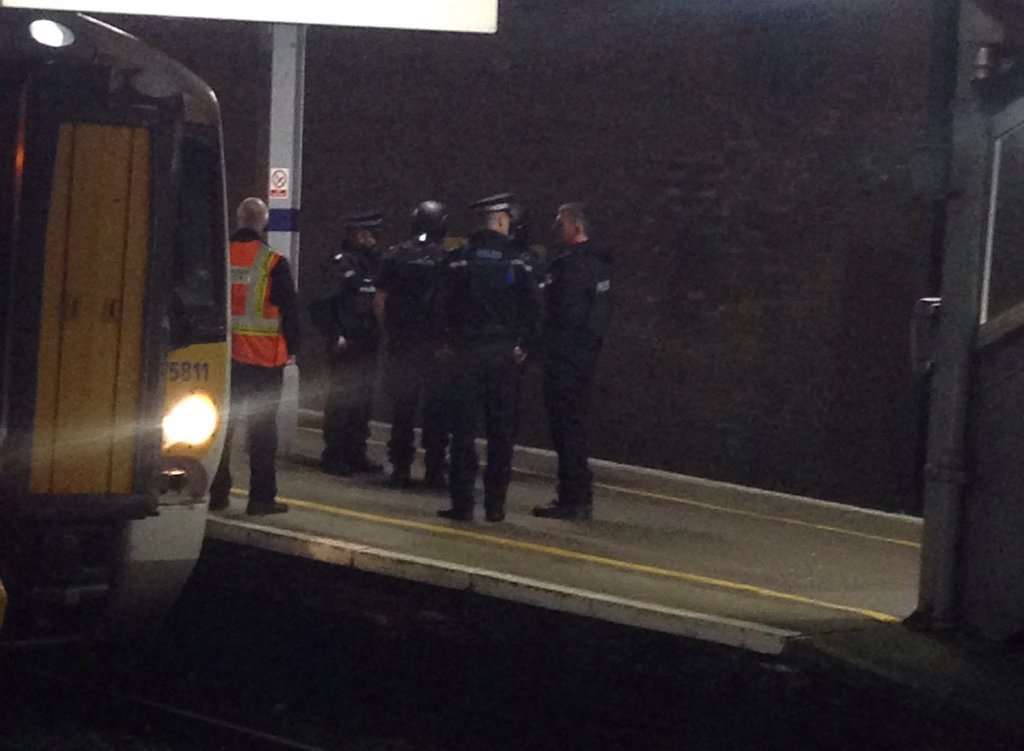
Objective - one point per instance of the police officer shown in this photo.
(405, 294)
(488, 314)
(577, 313)
(347, 320)
(519, 233)
(264, 338)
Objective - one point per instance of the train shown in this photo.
(114, 316)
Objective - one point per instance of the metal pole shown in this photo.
(287, 98)
(966, 217)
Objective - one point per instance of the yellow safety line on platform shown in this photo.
(575, 555)
(721, 509)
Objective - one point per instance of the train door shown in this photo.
(81, 408)
(89, 345)
(991, 582)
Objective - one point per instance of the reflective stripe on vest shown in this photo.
(256, 336)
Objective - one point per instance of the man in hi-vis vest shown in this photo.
(264, 338)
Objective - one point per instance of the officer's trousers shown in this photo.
(412, 371)
(348, 409)
(255, 397)
(567, 387)
(485, 378)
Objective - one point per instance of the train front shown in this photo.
(115, 366)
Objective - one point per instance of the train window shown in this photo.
(1004, 266)
(199, 247)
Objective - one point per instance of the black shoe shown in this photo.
(399, 479)
(338, 469)
(219, 504)
(264, 509)
(495, 514)
(456, 514)
(574, 512)
(364, 464)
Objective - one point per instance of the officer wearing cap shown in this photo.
(488, 316)
(347, 321)
(406, 285)
(577, 312)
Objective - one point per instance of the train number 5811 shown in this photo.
(188, 371)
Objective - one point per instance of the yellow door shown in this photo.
(91, 326)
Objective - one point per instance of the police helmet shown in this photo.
(431, 219)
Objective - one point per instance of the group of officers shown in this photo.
(461, 325)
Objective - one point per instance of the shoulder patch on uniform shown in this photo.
(604, 285)
(349, 274)
(489, 255)
(458, 264)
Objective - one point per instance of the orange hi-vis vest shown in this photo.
(256, 337)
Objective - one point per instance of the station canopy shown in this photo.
(428, 15)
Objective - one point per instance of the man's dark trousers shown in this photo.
(483, 376)
(255, 397)
(348, 409)
(567, 388)
(414, 370)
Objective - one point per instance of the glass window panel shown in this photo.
(1006, 270)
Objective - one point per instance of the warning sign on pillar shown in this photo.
(279, 182)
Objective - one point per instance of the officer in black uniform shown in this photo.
(347, 320)
(406, 285)
(488, 315)
(577, 312)
(532, 253)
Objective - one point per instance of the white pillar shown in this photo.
(287, 97)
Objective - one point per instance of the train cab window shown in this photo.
(198, 305)
(1003, 286)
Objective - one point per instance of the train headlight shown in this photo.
(192, 421)
(50, 33)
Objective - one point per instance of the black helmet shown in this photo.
(430, 219)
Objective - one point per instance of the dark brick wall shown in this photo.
(750, 169)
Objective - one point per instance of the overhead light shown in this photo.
(433, 15)
(50, 33)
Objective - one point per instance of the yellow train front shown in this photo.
(114, 318)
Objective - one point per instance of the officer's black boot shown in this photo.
(574, 512)
(494, 511)
(457, 514)
(265, 509)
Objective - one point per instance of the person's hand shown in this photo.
(341, 345)
(291, 360)
(518, 355)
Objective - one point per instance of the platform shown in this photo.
(706, 560)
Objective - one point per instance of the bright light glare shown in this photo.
(435, 15)
(50, 33)
(192, 421)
